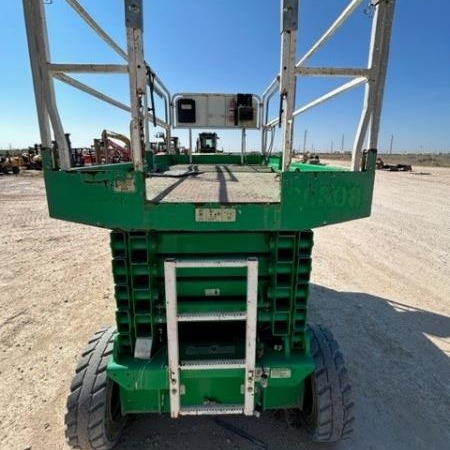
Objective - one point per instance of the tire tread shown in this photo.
(332, 391)
(85, 414)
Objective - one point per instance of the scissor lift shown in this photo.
(211, 253)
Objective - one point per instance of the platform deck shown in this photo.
(214, 183)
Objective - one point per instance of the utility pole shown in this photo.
(390, 146)
(304, 140)
(342, 143)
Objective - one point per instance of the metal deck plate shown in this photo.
(214, 410)
(206, 317)
(209, 364)
(216, 183)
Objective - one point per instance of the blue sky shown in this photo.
(233, 46)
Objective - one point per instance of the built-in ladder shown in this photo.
(173, 318)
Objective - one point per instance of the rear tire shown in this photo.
(328, 404)
(94, 419)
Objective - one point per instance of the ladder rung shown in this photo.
(206, 317)
(203, 410)
(249, 316)
(207, 364)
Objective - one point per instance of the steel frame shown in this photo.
(373, 77)
(139, 72)
(44, 73)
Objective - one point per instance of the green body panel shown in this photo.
(114, 197)
(275, 161)
(161, 162)
(145, 234)
(303, 167)
(145, 385)
(283, 284)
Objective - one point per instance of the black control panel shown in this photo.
(186, 110)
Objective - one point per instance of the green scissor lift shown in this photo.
(211, 253)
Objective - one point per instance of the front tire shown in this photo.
(94, 420)
(328, 404)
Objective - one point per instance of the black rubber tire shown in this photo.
(15, 170)
(94, 420)
(328, 404)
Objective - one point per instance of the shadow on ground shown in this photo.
(400, 383)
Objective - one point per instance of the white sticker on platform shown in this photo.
(215, 215)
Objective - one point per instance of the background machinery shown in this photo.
(207, 143)
(108, 150)
(32, 159)
(212, 269)
(9, 164)
(401, 167)
(161, 146)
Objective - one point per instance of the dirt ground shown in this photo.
(417, 160)
(382, 284)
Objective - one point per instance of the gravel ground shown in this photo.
(381, 284)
